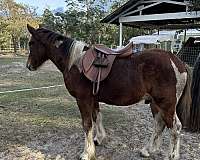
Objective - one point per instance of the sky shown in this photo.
(42, 4)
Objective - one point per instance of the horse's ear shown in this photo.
(31, 29)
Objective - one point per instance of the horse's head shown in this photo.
(46, 44)
(38, 51)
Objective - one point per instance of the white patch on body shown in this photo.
(76, 52)
(181, 81)
(58, 43)
(100, 131)
(175, 131)
(155, 140)
(89, 149)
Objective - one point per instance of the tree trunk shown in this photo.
(15, 45)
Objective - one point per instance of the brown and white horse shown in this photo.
(156, 73)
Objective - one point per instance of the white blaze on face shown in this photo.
(76, 52)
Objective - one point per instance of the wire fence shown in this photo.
(10, 51)
(30, 89)
(189, 55)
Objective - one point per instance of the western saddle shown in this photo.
(97, 62)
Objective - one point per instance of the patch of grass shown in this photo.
(24, 115)
(6, 61)
(42, 105)
(113, 116)
(14, 75)
(40, 120)
(21, 80)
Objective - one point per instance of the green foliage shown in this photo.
(49, 19)
(4, 34)
(14, 18)
(82, 19)
(116, 4)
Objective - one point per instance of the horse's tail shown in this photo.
(184, 104)
(194, 124)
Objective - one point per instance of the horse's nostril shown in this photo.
(28, 65)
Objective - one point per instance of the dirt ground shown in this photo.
(46, 125)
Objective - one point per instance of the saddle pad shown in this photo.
(90, 71)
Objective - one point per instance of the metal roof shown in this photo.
(159, 7)
(118, 11)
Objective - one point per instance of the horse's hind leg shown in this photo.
(100, 131)
(175, 124)
(86, 108)
(155, 140)
(175, 138)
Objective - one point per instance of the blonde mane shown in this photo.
(76, 52)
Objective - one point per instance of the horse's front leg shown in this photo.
(86, 108)
(100, 131)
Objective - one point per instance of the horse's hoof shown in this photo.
(173, 157)
(144, 153)
(87, 157)
(82, 158)
(96, 143)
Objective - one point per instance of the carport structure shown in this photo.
(154, 14)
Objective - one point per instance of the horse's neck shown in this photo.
(64, 59)
(60, 60)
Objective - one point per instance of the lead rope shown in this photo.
(96, 87)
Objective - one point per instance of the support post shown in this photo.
(158, 46)
(120, 34)
(185, 33)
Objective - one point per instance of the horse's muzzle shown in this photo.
(30, 67)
